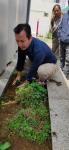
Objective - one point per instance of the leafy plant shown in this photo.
(5, 146)
(31, 94)
(32, 123)
(2, 100)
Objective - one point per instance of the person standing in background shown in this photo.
(55, 22)
(63, 36)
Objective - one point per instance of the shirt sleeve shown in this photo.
(38, 60)
(21, 60)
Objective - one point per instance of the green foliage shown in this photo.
(31, 94)
(2, 100)
(5, 146)
(42, 111)
(32, 123)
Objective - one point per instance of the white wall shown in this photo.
(3, 33)
(37, 13)
(17, 13)
(44, 23)
(12, 12)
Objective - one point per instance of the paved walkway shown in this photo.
(68, 82)
(59, 112)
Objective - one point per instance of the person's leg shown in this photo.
(46, 71)
(55, 47)
(62, 55)
(66, 68)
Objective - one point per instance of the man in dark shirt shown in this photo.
(38, 52)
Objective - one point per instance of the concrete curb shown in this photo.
(59, 112)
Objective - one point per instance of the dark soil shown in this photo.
(6, 113)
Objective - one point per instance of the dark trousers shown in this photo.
(64, 57)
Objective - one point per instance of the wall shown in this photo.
(3, 32)
(44, 23)
(37, 10)
(12, 12)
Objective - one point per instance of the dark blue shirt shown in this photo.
(39, 53)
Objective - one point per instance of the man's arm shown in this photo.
(21, 60)
(18, 77)
(19, 66)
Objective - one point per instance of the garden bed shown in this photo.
(9, 109)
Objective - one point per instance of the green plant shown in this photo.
(31, 94)
(2, 100)
(5, 146)
(42, 111)
(32, 123)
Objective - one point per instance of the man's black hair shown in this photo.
(20, 27)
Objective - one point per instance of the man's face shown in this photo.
(22, 40)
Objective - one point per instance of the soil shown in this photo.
(6, 113)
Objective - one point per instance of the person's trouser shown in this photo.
(66, 67)
(62, 54)
(64, 58)
(55, 47)
(47, 71)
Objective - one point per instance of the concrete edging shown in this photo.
(59, 112)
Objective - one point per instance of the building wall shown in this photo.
(3, 33)
(37, 11)
(44, 23)
(12, 12)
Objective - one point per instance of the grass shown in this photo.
(32, 121)
(31, 94)
(33, 125)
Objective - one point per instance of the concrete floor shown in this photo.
(59, 112)
(68, 82)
